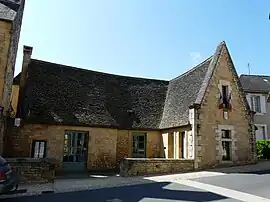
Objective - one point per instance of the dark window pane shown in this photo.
(225, 95)
(138, 145)
(141, 145)
(141, 138)
(226, 134)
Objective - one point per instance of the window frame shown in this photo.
(265, 131)
(227, 140)
(256, 103)
(225, 95)
(34, 146)
(70, 143)
(137, 154)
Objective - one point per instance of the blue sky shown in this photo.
(146, 38)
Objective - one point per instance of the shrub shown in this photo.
(263, 149)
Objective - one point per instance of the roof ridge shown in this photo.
(192, 69)
(258, 75)
(99, 72)
(209, 74)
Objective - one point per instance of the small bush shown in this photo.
(263, 149)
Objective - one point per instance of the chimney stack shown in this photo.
(27, 52)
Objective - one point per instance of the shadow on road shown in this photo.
(133, 193)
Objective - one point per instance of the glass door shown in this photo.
(75, 150)
(139, 145)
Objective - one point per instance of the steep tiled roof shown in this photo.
(58, 94)
(182, 92)
(255, 83)
(6, 13)
(72, 96)
(8, 9)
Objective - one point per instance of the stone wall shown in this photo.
(209, 148)
(148, 166)
(5, 36)
(14, 98)
(105, 147)
(124, 144)
(30, 170)
(11, 57)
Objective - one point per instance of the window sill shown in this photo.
(260, 114)
(226, 162)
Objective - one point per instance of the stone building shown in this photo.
(11, 14)
(90, 120)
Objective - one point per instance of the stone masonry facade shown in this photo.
(9, 40)
(211, 121)
(198, 140)
(4, 47)
(106, 147)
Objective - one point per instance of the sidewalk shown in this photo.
(98, 182)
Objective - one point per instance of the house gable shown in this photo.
(212, 118)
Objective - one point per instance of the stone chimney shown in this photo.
(27, 52)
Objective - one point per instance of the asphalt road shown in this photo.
(253, 187)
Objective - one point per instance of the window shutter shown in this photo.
(263, 107)
(249, 100)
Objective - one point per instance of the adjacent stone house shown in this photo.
(11, 14)
(90, 120)
(257, 89)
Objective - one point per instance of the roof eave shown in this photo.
(30, 121)
(7, 20)
(256, 91)
(174, 127)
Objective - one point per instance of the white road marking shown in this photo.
(184, 176)
(241, 196)
(114, 200)
(155, 200)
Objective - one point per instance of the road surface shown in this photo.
(254, 187)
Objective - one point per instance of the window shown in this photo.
(256, 103)
(75, 146)
(226, 134)
(225, 93)
(261, 132)
(226, 145)
(39, 149)
(138, 145)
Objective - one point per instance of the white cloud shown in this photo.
(196, 57)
